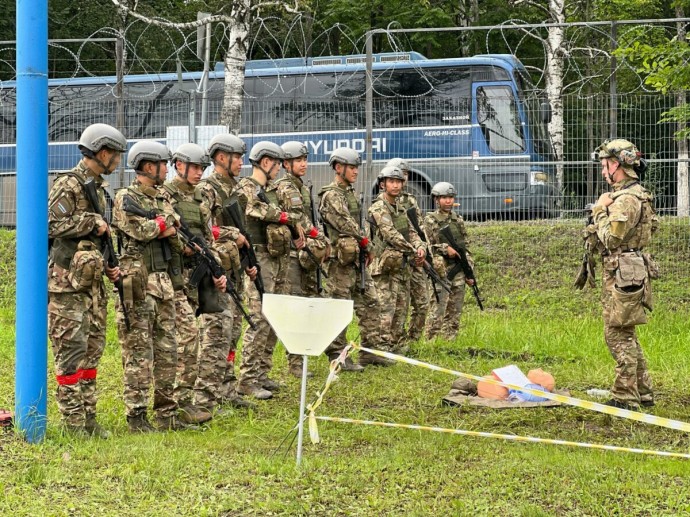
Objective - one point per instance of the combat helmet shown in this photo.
(346, 156)
(147, 150)
(227, 143)
(401, 164)
(625, 153)
(391, 172)
(443, 189)
(265, 148)
(294, 149)
(97, 136)
(191, 153)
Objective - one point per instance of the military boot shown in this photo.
(254, 390)
(75, 431)
(270, 385)
(366, 359)
(348, 366)
(235, 400)
(173, 423)
(195, 414)
(139, 424)
(94, 428)
(295, 369)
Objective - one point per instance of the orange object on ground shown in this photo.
(491, 391)
(542, 378)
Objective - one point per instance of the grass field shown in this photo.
(533, 319)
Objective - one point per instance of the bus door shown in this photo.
(499, 150)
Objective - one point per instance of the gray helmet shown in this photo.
(265, 148)
(400, 164)
(97, 136)
(294, 150)
(147, 150)
(443, 189)
(391, 172)
(346, 156)
(228, 143)
(191, 153)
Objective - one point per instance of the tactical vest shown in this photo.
(353, 208)
(152, 251)
(453, 223)
(400, 223)
(641, 234)
(257, 227)
(406, 200)
(303, 191)
(191, 215)
(64, 248)
(224, 198)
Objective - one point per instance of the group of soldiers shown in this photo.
(191, 252)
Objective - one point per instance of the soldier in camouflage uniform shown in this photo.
(267, 225)
(189, 161)
(77, 296)
(294, 197)
(396, 243)
(149, 347)
(624, 221)
(223, 329)
(445, 313)
(419, 281)
(340, 211)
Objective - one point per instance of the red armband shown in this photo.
(314, 232)
(364, 242)
(215, 230)
(160, 220)
(283, 218)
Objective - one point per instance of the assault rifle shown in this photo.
(362, 251)
(412, 216)
(294, 232)
(232, 214)
(315, 222)
(585, 274)
(428, 268)
(130, 206)
(462, 264)
(209, 264)
(108, 250)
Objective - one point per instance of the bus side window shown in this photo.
(498, 118)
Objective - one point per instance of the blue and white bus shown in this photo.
(475, 122)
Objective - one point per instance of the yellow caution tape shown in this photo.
(530, 439)
(586, 404)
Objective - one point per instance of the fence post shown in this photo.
(613, 86)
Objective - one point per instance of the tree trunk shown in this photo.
(554, 82)
(682, 171)
(235, 61)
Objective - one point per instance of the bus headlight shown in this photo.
(538, 178)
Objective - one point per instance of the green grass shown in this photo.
(533, 319)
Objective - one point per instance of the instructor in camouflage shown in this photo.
(78, 299)
(623, 223)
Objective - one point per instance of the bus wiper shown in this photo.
(520, 145)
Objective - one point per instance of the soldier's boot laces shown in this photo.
(256, 391)
(295, 370)
(93, 428)
(139, 424)
(195, 415)
(173, 423)
(270, 384)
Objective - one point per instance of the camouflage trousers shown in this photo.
(343, 284)
(300, 283)
(394, 298)
(214, 348)
(419, 303)
(187, 334)
(632, 383)
(149, 356)
(444, 315)
(229, 377)
(258, 345)
(76, 325)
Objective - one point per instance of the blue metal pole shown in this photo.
(32, 219)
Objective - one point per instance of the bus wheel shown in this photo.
(421, 192)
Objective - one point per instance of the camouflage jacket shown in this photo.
(435, 221)
(248, 193)
(628, 223)
(211, 189)
(181, 190)
(392, 228)
(339, 209)
(294, 197)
